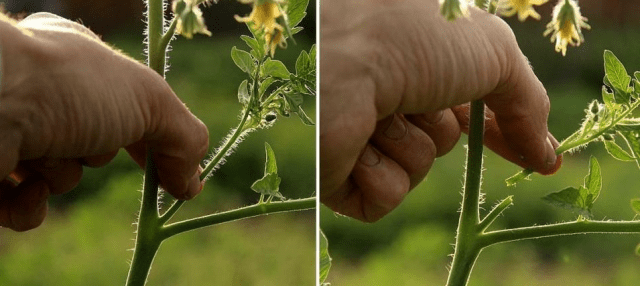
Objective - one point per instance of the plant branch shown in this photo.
(237, 214)
(494, 213)
(227, 145)
(170, 212)
(560, 229)
(466, 247)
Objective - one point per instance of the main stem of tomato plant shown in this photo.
(146, 241)
(466, 248)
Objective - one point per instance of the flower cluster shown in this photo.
(524, 8)
(189, 18)
(566, 25)
(265, 16)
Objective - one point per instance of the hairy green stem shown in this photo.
(494, 213)
(237, 214)
(170, 212)
(560, 229)
(228, 144)
(466, 248)
(147, 242)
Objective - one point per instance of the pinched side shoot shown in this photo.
(609, 121)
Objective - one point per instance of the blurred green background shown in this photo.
(411, 245)
(87, 236)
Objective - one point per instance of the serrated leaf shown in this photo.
(629, 124)
(256, 50)
(616, 151)
(296, 10)
(607, 98)
(633, 143)
(303, 116)
(636, 75)
(615, 72)
(593, 181)
(243, 60)
(268, 185)
(243, 93)
(312, 54)
(567, 198)
(266, 83)
(296, 30)
(275, 68)
(635, 205)
(294, 99)
(270, 166)
(578, 200)
(325, 258)
(302, 63)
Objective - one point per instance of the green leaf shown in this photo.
(243, 60)
(265, 85)
(270, 166)
(593, 180)
(635, 205)
(638, 250)
(302, 63)
(616, 151)
(634, 145)
(296, 10)
(325, 259)
(303, 116)
(607, 97)
(571, 198)
(268, 185)
(566, 198)
(243, 93)
(257, 50)
(275, 68)
(629, 124)
(312, 55)
(294, 99)
(615, 72)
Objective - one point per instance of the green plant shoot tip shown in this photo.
(522, 175)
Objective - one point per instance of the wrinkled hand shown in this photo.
(68, 100)
(395, 78)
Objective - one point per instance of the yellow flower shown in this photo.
(263, 15)
(190, 20)
(566, 25)
(277, 40)
(524, 8)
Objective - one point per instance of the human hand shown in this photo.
(394, 76)
(68, 100)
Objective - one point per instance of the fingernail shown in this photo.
(397, 128)
(433, 118)
(551, 155)
(369, 157)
